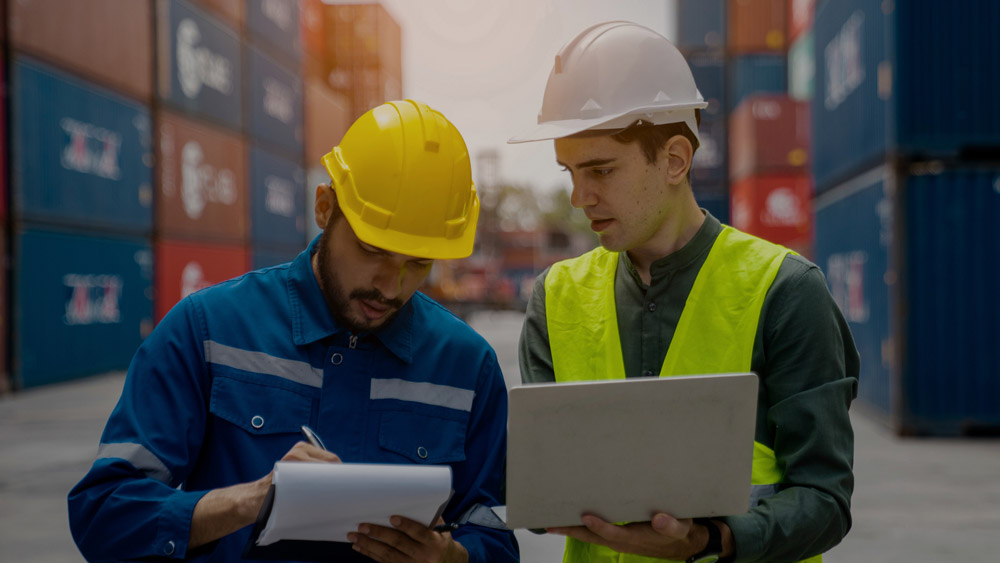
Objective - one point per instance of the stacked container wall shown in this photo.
(198, 64)
(274, 104)
(775, 207)
(312, 30)
(800, 18)
(274, 24)
(769, 134)
(755, 74)
(802, 68)
(326, 119)
(701, 24)
(81, 155)
(715, 200)
(90, 38)
(230, 11)
(183, 268)
(278, 198)
(84, 304)
(263, 258)
(757, 26)
(709, 164)
(709, 72)
(202, 193)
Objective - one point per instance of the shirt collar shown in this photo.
(699, 244)
(312, 320)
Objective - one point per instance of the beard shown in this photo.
(338, 300)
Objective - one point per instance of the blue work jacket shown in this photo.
(218, 393)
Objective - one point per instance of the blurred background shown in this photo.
(149, 148)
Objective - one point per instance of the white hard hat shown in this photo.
(611, 75)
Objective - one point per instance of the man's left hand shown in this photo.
(407, 541)
(664, 537)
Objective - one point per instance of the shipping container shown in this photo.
(715, 202)
(274, 103)
(768, 134)
(274, 25)
(230, 11)
(802, 68)
(326, 117)
(82, 304)
(774, 207)
(909, 260)
(202, 193)
(709, 72)
(265, 257)
(800, 18)
(6, 385)
(199, 65)
(80, 155)
(3, 127)
(757, 26)
(312, 29)
(701, 24)
(109, 42)
(710, 160)
(278, 196)
(372, 87)
(755, 74)
(183, 268)
(887, 88)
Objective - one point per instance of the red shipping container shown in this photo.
(183, 268)
(800, 18)
(769, 133)
(106, 41)
(312, 26)
(231, 11)
(202, 191)
(777, 208)
(757, 26)
(327, 115)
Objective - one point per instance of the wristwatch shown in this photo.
(713, 549)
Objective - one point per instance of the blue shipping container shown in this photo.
(756, 74)
(199, 64)
(701, 24)
(264, 257)
(928, 325)
(83, 304)
(275, 23)
(710, 164)
(274, 104)
(917, 79)
(81, 155)
(709, 73)
(278, 193)
(715, 200)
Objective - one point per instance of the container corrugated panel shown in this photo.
(313, 28)
(768, 134)
(952, 263)
(274, 104)
(83, 304)
(326, 117)
(231, 11)
(774, 207)
(202, 193)
(709, 72)
(709, 165)
(755, 74)
(802, 68)
(264, 257)
(278, 198)
(361, 36)
(945, 77)
(851, 88)
(757, 26)
(714, 198)
(800, 18)
(81, 155)
(701, 24)
(183, 268)
(274, 24)
(198, 64)
(90, 39)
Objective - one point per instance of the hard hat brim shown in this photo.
(565, 128)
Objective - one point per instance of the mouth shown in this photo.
(373, 310)
(598, 225)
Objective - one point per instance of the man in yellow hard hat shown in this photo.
(672, 291)
(338, 340)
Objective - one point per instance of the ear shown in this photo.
(325, 200)
(679, 154)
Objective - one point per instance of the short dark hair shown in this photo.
(651, 138)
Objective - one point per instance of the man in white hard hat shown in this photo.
(672, 291)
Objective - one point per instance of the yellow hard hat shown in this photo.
(404, 181)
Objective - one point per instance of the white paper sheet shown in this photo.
(325, 501)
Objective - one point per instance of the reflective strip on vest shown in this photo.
(715, 334)
(140, 458)
(259, 362)
(421, 392)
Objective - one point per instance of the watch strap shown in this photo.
(714, 545)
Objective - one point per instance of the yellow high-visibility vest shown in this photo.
(715, 334)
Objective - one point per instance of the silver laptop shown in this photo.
(627, 449)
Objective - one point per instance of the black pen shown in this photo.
(446, 527)
(312, 437)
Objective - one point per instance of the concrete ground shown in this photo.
(916, 500)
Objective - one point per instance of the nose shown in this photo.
(389, 277)
(582, 195)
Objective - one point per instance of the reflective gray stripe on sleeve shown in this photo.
(140, 458)
(758, 492)
(426, 393)
(259, 362)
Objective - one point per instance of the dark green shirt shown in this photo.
(808, 368)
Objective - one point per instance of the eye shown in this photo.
(369, 250)
(602, 172)
(420, 264)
